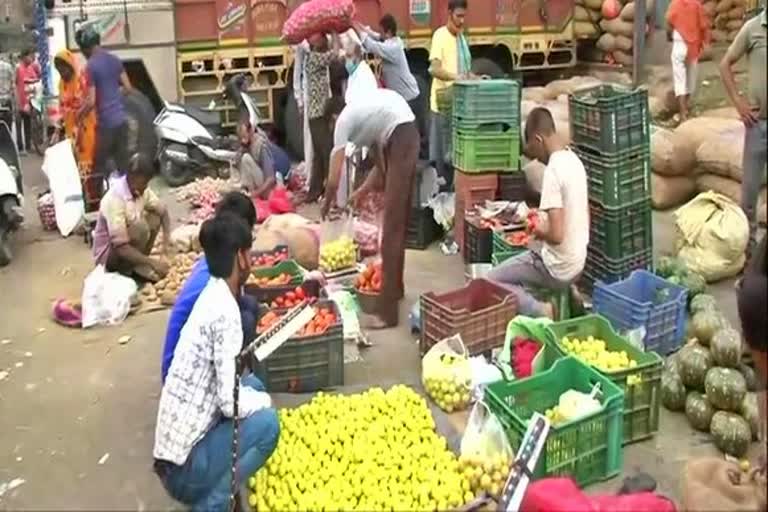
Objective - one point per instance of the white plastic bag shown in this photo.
(486, 455)
(106, 297)
(443, 208)
(447, 375)
(64, 181)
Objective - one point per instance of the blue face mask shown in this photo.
(351, 66)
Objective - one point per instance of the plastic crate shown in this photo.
(305, 364)
(486, 151)
(486, 101)
(501, 246)
(479, 312)
(513, 186)
(588, 450)
(478, 242)
(609, 118)
(462, 206)
(284, 267)
(641, 385)
(619, 231)
(422, 229)
(445, 100)
(474, 188)
(647, 300)
(599, 267)
(619, 180)
(267, 295)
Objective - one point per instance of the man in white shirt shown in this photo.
(563, 231)
(386, 124)
(193, 435)
(361, 82)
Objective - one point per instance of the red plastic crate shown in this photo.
(476, 188)
(479, 312)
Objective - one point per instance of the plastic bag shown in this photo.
(447, 375)
(525, 327)
(485, 454)
(712, 236)
(444, 208)
(63, 176)
(483, 373)
(367, 237)
(338, 250)
(106, 297)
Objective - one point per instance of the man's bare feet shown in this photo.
(372, 322)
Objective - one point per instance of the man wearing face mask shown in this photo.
(361, 82)
(563, 230)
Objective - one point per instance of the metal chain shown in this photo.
(235, 425)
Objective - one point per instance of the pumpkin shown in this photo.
(672, 391)
(702, 302)
(725, 388)
(731, 433)
(698, 411)
(695, 361)
(726, 347)
(750, 412)
(705, 325)
(749, 376)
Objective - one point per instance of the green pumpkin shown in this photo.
(726, 347)
(672, 391)
(705, 324)
(731, 433)
(702, 302)
(749, 376)
(668, 265)
(750, 412)
(698, 411)
(695, 361)
(694, 283)
(725, 388)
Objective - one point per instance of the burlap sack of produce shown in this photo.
(721, 112)
(731, 189)
(727, 5)
(719, 36)
(583, 14)
(607, 43)
(734, 25)
(300, 235)
(622, 57)
(709, 8)
(569, 86)
(689, 135)
(662, 149)
(737, 13)
(715, 485)
(623, 43)
(712, 235)
(732, 35)
(593, 4)
(617, 26)
(722, 153)
(586, 29)
(671, 191)
(525, 108)
(628, 12)
(536, 94)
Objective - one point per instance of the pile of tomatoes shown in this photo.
(517, 238)
(369, 280)
(290, 299)
(270, 259)
(324, 319)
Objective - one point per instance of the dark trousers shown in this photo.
(401, 155)
(322, 144)
(111, 146)
(23, 131)
(420, 111)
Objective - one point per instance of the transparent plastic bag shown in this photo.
(106, 297)
(338, 250)
(367, 237)
(447, 374)
(485, 454)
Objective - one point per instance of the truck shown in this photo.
(186, 50)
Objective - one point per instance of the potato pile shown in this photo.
(165, 290)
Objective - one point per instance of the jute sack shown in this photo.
(536, 94)
(689, 136)
(722, 153)
(732, 35)
(734, 25)
(709, 8)
(671, 191)
(623, 43)
(721, 112)
(737, 13)
(628, 12)
(583, 14)
(617, 26)
(622, 57)
(712, 484)
(731, 189)
(607, 43)
(558, 87)
(593, 4)
(586, 28)
(662, 149)
(719, 36)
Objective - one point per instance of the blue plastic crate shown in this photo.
(647, 300)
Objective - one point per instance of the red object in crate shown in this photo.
(479, 312)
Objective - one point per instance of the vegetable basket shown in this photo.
(588, 449)
(641, 385)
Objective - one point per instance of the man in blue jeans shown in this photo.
(194, 430)
(240, 205)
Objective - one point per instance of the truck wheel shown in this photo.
(294, 128)
(485, 66)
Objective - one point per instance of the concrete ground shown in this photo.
(77, 408)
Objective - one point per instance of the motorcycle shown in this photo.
(11, 192)
(191, 141)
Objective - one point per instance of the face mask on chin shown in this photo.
(351, 66)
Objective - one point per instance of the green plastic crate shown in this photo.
(619, 180)
(284, 267)
(641, 385)
(445, 100)
(588, 450)
(481, 151)
(500, 245)
(610, 118)
(609, 270)
(543, 361)
(478, 102)
(617, 232)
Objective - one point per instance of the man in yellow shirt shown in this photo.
(449, 60)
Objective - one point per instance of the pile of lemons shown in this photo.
(486, 473)
(375, 450)
(593, 352)
(337, 255)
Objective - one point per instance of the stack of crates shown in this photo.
(610, 133)
(485, 141)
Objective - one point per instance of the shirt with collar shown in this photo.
(198, 391)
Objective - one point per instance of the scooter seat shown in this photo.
(208, 118)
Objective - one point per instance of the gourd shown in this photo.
(726, 347)
(695, 361)
(750, 412)
(698, 411)
(725, 388)
(731, 433)
(749, 376)
(672, 391)
(705, 324)
(702, 302)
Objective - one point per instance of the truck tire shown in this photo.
(140, 116)
(485, 66)
(294, 128)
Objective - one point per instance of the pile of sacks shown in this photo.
(727, 17)
(701, 154)
(617, 39)
(586, 19)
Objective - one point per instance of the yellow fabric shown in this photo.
(71, 95)
(445, 49)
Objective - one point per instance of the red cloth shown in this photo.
(25, 74)
(688, 18)
(562, 495)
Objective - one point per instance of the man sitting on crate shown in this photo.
(193, 434)
(563, 230)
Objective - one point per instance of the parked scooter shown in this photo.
(191, 141)
(11, 192)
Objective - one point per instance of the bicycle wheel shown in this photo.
(39, 137)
